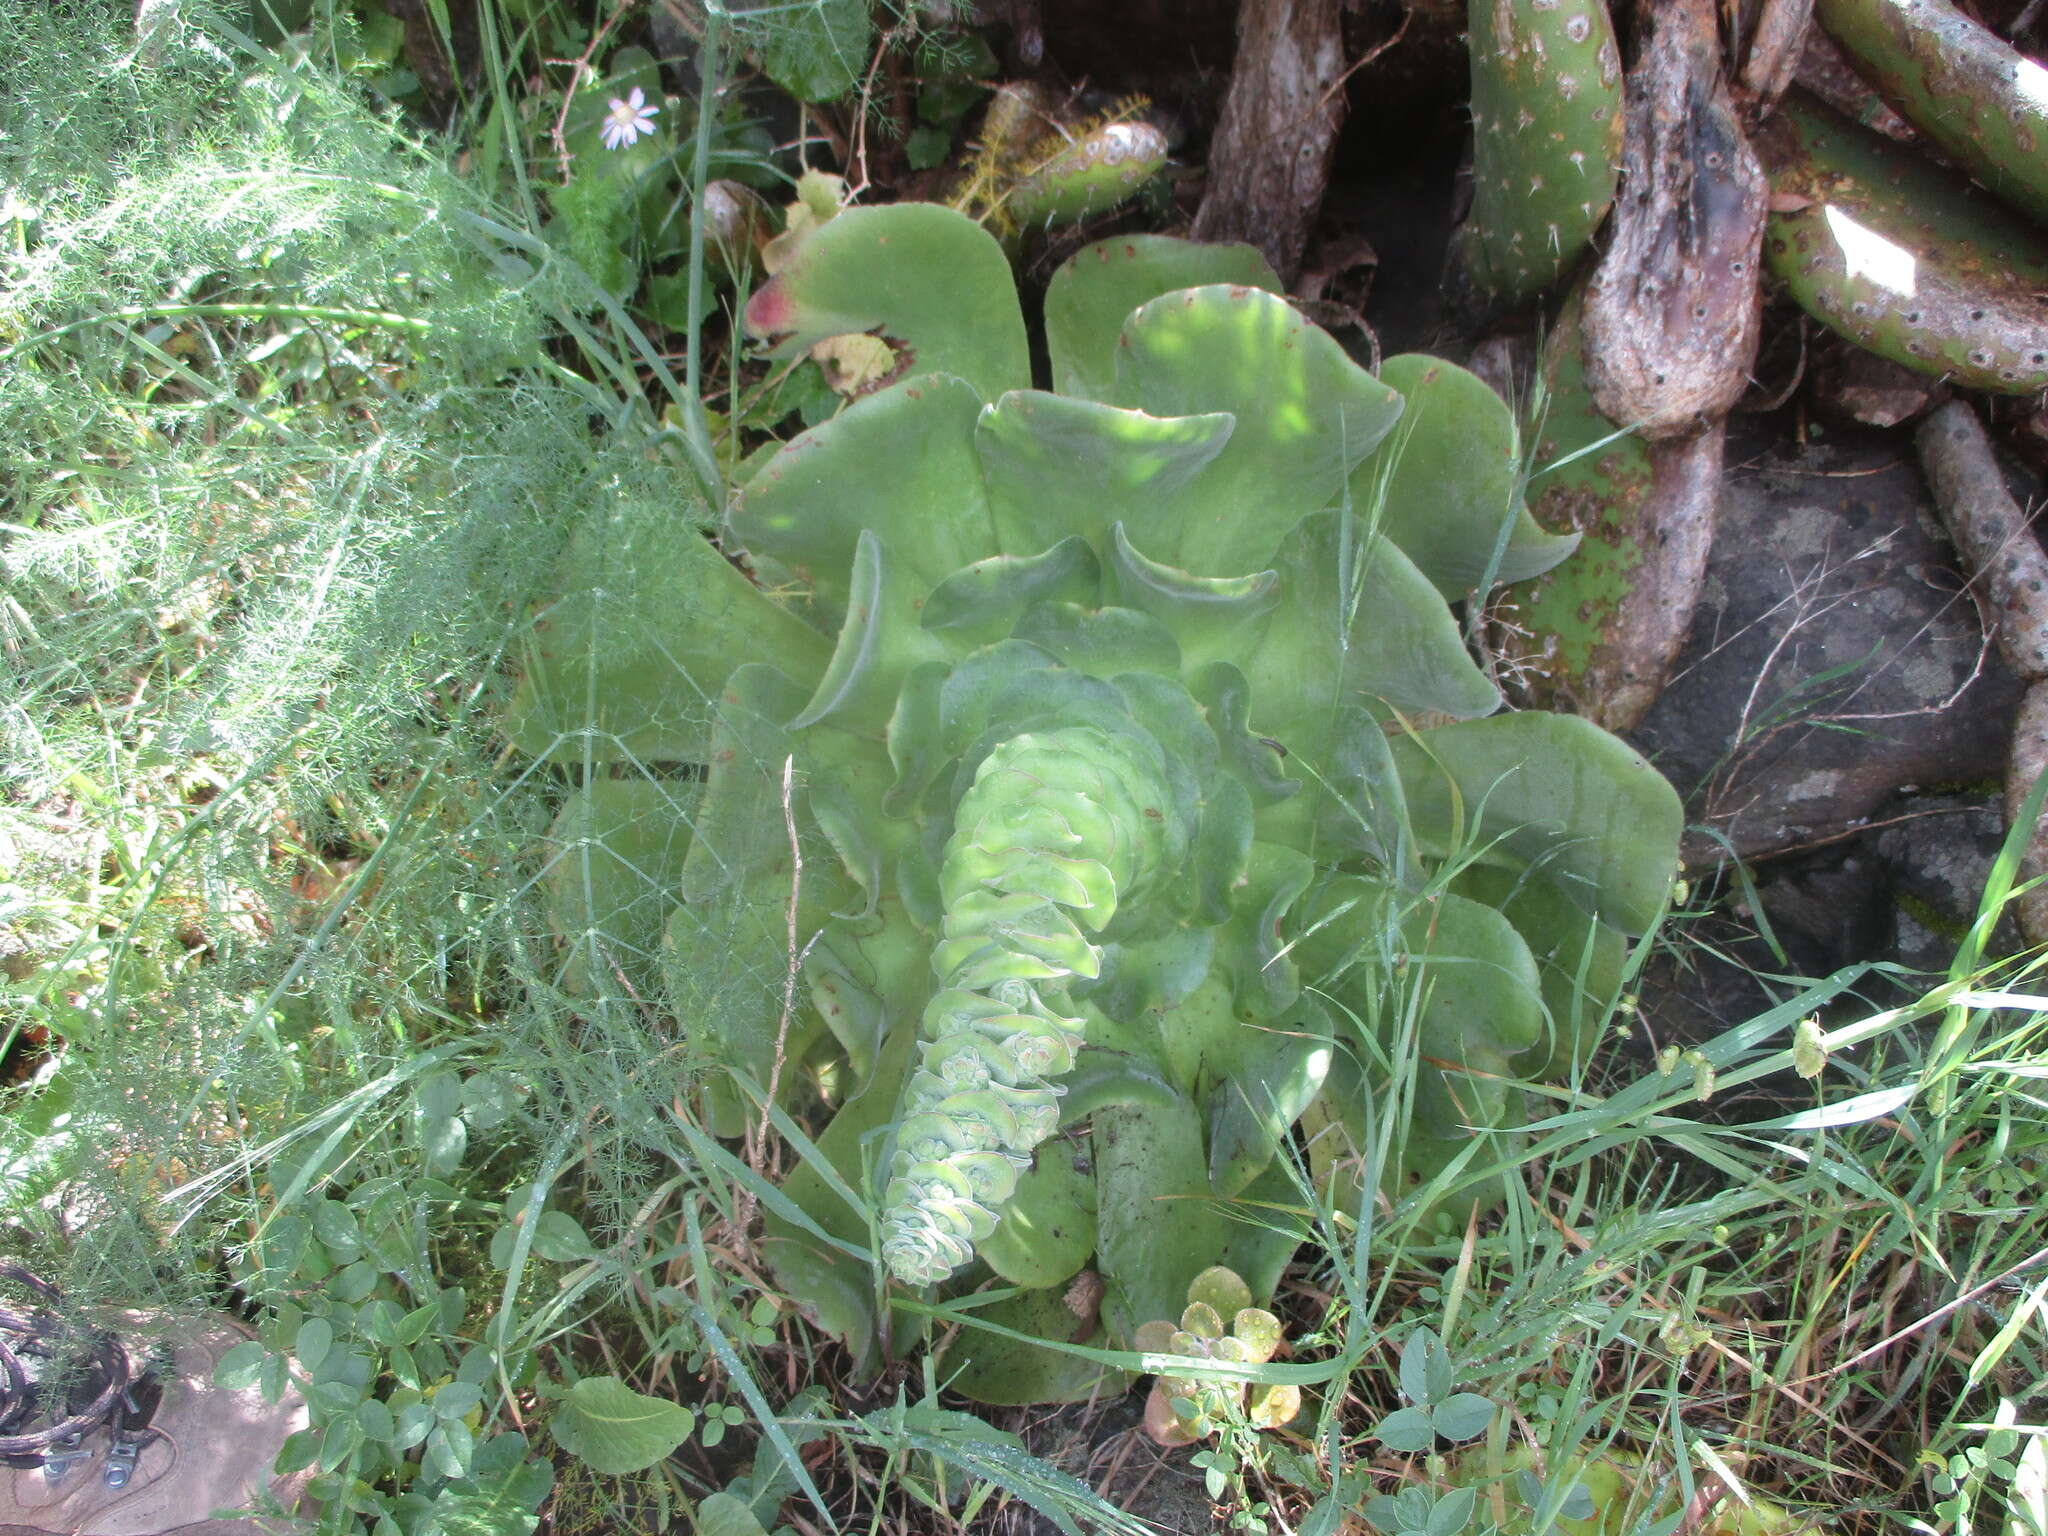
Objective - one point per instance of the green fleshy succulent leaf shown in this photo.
(916, 739)
(832, 1287)
(1101, 642)
(1350, 806)
(1194, 1029)
(1141, 981)
(724, 947)
(1047, 1230)
(1157, 1225)
(1213, 618)
(1275, 1075)
(1306, 415)
(1103, 1078)
(1003, 1372)
(1471, 970)
(611, 887)
(1582, 962)
(1480, 1005)
(1058, 466)
(1445, 486)
(1253, 951)
(1013, 681)
(1385, 634)
(982, 602)
(867, 847)
(863, 976)
(1256, 762)
(1416, 1158)
(1269, 1222)
(1092, 296)
(1221, 1289)
(1553, 793)
(805, 513)
(623, 667)
(880, 643)
(927, 278)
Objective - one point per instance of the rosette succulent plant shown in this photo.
(1218, 1323)
(1053, 740)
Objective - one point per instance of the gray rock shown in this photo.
(1835, 661)
(1937, 852)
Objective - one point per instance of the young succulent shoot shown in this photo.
(1219, 1323)
(1102, 719)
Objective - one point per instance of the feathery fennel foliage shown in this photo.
(298, 464)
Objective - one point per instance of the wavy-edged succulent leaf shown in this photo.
(1262, 1087)
(1058, 466)
(929, 280)
(982, 602)
(822, 1261)
(1047, 1230)
(1581, 960)
(1384, 635)
(1306, 415)
(623, 665)
(1553, 793)
(882, 640)
(1157, 1223)
(1092, 296)
(804, 514)
(1446, 484)
(1461, 966)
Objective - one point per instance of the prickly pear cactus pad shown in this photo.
(1105, 720)
(1546, 140)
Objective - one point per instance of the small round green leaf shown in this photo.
(615, 1430)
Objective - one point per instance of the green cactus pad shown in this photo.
(1900, 258)
(1982, 100)
(1546, 140)
(1095, 171)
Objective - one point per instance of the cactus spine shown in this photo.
(1546, 140)
(1033, 170)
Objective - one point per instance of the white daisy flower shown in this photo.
(628, 120)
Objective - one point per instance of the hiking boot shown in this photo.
(111, 1425)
